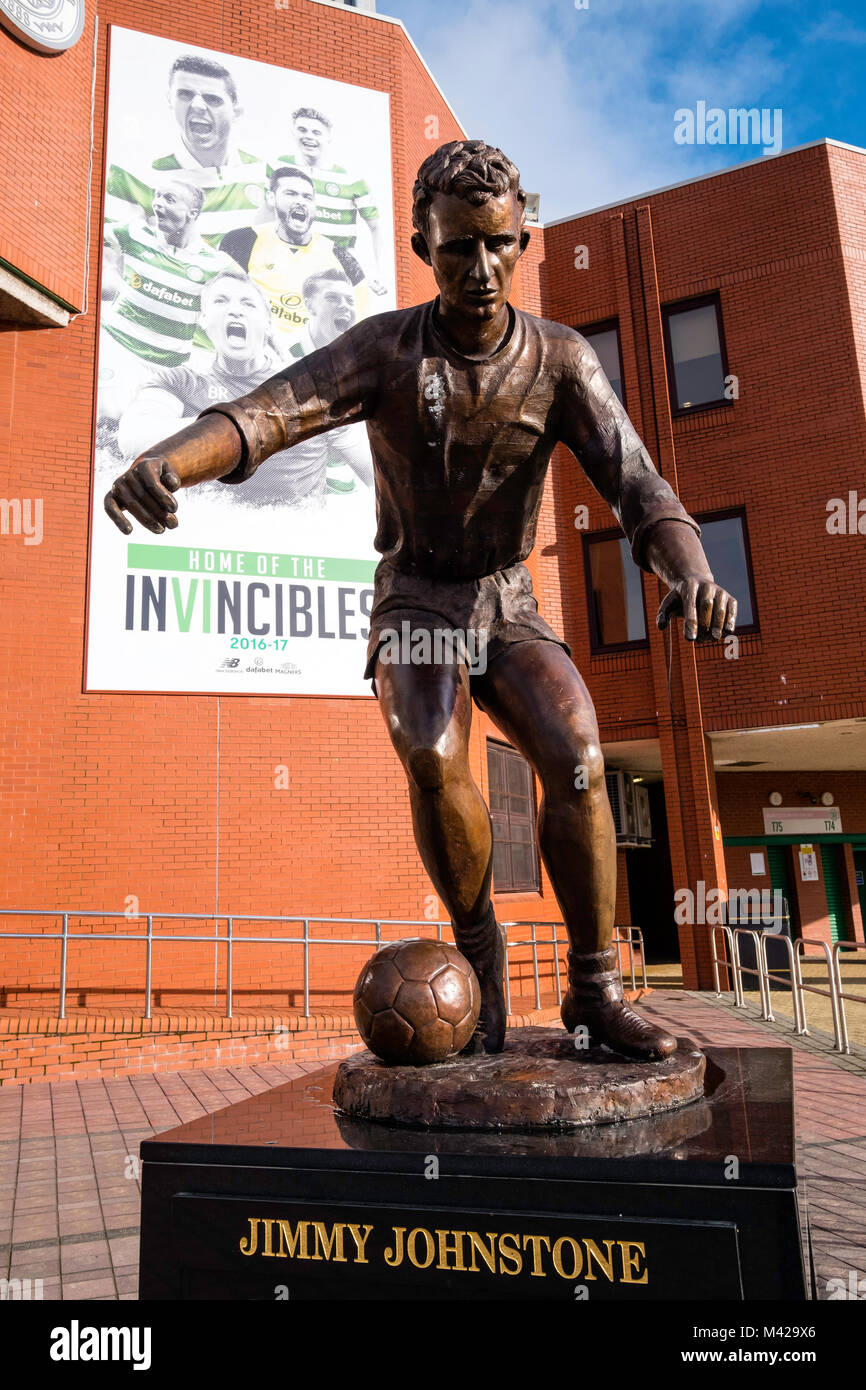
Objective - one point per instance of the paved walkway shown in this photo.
(70, 1193)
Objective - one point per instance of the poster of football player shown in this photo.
(219, 268)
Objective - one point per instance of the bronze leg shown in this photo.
(535, 695)
(428, 713)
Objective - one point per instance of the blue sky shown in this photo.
(584, 99)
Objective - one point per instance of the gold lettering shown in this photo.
(605, 1263)
(429, 1245)
(359, 1236)
(629, 1260)
(576, 1257)
(395, 1256)
(335, 1242)
(268, 1224)
(455, 1249)
(510, 1252)
(536, 1242)
(253, 1240)
(488, 1256)
(296, 1240)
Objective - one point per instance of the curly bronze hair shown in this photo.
(467, 169)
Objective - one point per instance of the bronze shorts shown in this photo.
(502, 606)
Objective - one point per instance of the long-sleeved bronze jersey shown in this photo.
(461, 448)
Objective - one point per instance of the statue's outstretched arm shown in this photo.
(334, 386)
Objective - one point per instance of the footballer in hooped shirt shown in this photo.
(237, 319)
(196, 212)
(203, 97)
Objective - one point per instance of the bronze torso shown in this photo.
(460, 447)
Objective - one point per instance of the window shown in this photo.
(617, 618)
(726, 545)
(603, 338)
(695, 353)
(512, 811)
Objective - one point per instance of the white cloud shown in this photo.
(583, 101)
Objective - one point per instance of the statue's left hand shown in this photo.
(708, 611)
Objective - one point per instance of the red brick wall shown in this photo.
(44, 155)
(171, 800)
(767, 237)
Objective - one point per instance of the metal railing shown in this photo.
(855, 998)
(306, 940)
(633, 936)
(792, 978)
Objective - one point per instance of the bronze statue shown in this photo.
(464, 399)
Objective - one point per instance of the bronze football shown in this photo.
(416, 1002)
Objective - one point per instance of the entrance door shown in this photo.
(860, 875)
(777, 861)
(833, 888)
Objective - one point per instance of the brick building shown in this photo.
(730, 310)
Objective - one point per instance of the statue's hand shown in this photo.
(708, 611)
(145, 491)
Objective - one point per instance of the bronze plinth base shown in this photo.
(540, 1081)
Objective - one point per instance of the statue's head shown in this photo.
(469, 213)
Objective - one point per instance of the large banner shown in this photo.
(248, 222)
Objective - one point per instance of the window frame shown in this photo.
(680, 306)
(605, 326)
(535, 886)
(722, 514)
(596, 646)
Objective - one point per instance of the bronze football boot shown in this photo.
(483, 946)
(595, 1000)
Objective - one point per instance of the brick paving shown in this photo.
(830, 1126)
(70, 1193)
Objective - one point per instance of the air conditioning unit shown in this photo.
(629, 802)
(642, 809)
(620, 791)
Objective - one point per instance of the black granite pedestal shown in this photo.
(281, 1197)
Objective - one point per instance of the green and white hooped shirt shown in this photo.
(340, 198)
(156, 312)
(233, 192)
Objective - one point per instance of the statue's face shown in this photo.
(473, 252)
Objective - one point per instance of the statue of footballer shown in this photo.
(464, 399)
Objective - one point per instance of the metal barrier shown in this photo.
(832, 993)
(632, 935)
(778, 976)
(799, 988)
(728, 964)
(533, 942)
(230, 940)
(842, 996)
